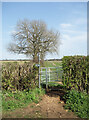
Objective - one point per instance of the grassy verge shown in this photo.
(78, 102)
(11, 101)
(55, 84)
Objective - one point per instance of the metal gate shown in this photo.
(50, 74)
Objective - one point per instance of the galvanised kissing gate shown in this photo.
(50, 74)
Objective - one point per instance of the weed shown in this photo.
(59, 102)
(11, 101)
(32, 106)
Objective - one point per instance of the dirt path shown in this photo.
(51, 106)
(54, 64)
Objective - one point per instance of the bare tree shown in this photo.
(33, 37)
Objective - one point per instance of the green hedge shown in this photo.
(19, 76)
(76, 72)
(78, 102)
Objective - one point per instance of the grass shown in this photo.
(11, 101)
(52, 63)
(54, 84)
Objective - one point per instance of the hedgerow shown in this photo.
(76, 72)
(17, 76)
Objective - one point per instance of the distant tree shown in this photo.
(33, 38)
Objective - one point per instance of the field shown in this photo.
(52, 63)
(46, 63)
(12, 61)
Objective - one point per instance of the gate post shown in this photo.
(49, 74)
(39, 76)
(39, 67)
(57, 73)
(46, 79)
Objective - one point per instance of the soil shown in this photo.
(54, 64)
(51, 106)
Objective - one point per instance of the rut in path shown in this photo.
(51, 106)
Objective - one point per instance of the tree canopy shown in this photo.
(33, 38)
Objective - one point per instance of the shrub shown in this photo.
(78, 102)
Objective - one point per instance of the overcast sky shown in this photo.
(69, 18)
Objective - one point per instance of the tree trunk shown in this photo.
(35, 58)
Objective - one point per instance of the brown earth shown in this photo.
(51, 106)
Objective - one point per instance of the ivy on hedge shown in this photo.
(76, 72)
(17, 76)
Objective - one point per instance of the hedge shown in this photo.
(76, 72)
(17, 76)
